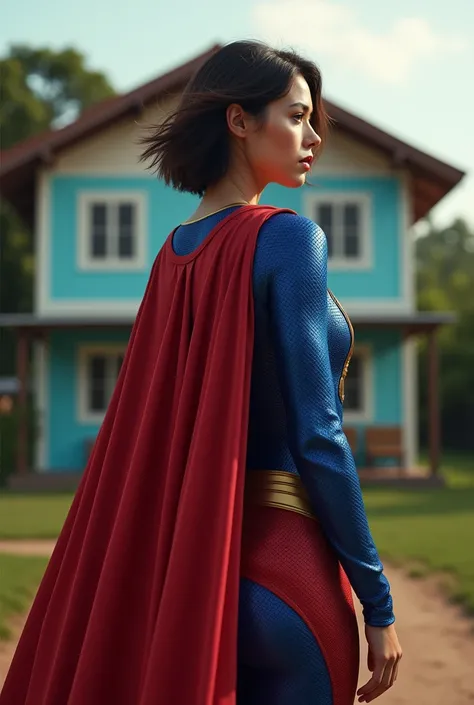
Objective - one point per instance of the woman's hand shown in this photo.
(383, 658)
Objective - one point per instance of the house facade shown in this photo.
(99, 220)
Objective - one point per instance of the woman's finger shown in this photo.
(395, 671)
(373, 683)
(385, 684)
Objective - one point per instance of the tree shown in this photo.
(40, 89)
(445, 282)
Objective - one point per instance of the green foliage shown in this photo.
(40, 88)
(445, 282)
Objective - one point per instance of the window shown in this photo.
(345, 219)
(358, 386)
(99, 368)
(111, 231)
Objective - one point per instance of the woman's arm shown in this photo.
(296, 257)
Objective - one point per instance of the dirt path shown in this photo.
(28, 547)
(438, 647)
(438, 643)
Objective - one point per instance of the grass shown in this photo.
(32, 516)
(25, 517)
(430, 530)
(19, 579)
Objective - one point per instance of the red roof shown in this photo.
(431, 178)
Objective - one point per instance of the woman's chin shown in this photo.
(293, 181)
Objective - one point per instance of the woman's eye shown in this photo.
(298, 117)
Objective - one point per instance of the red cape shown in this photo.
(138, 605)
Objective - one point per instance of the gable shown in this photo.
(117, 150)
(431, 179)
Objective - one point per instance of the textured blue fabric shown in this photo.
(302, 340)
(280, 662)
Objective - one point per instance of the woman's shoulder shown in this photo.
(288, 231)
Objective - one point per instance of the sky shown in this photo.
(407, 67)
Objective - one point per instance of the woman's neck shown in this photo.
(230, 191)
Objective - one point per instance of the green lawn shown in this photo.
(19, 579)
(32, 516)
(429, 530)
(25, 517)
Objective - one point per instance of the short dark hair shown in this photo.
(190, 149)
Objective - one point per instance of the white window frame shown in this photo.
(365, 353)
(338, 200)
(111, 262)
(84, 414)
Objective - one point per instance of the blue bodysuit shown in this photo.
(302, 343)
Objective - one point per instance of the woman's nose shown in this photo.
(313, 139)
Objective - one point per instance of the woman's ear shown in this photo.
(237, 120)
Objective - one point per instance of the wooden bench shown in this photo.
(382, 442)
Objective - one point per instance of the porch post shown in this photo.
(433, 403)
(22, 371)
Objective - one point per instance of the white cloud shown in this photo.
(335, 30)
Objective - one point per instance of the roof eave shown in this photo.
(433, 179)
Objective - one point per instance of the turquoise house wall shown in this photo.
(66, 434)
(387, 382)
(166, 208)
(382, 280)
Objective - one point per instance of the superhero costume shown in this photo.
(301, 350)
(177, 529)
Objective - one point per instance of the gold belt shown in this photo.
(276, 488)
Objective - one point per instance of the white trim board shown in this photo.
(42, 228)
(408, 245)
(120, 307)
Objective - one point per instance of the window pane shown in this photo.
(351, 230)
(126, 214)
(98, 241)
(352, 244)
(354, 386)
(99, 214)
(126, 230)
(324, 219)
(97, 381)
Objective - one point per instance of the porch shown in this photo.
(31, 328)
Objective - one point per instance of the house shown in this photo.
(99, 219)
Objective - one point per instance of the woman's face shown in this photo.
(277, 150)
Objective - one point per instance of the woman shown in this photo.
(200, 562)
